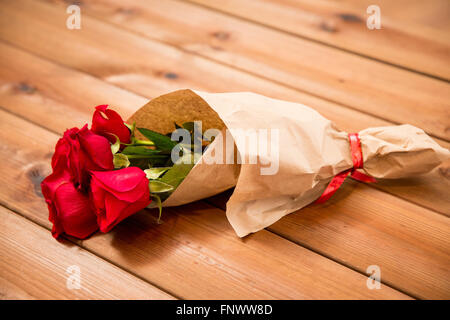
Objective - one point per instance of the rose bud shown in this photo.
(118, 194)
(108, 123)
(70, 210)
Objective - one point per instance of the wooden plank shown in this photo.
(360, 227)
(42, 91)
(432, 14)
(48, 88)
(132, 62)
(194, 254)
(35, 266)
(342, 24)
(411, 245)
(28, 80)
(318, 238)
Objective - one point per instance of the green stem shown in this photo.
(136, 143)
(143, 143)
(144, 156)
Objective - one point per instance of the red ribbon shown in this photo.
(357, 158)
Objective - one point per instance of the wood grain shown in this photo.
(368, 241)
(35, 266)
(360, 227)
(27, 77)
(407, 36)
(197, 238)
(194, 254)
(432, 14)
(132, 62)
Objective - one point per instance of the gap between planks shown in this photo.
(221, 208)
(323, 254)
(310, 93)
(261, 234)
(139, 95)
(36, 224)
(318, 41)
(105, 27)
(211, 203)
(272, 80)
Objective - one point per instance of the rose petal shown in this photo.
(118, 194)
(97, 148)
(113, 124)
(121, 182)
(75, 211)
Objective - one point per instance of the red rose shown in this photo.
(118, 194)
(70, 210)
(105, 122)
(81, 151)
(66, 189)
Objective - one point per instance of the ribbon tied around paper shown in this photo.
(338, 180)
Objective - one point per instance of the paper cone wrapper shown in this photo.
(310, 151)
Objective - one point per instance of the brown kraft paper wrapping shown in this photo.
(310, 152)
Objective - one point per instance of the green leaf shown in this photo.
(140, 150)
(115, 147)
(196, 134)
(189, 126)
(155, 173)
(157, 186)
(161, 141)
(120, 161)
(142, 156)
(175, 175)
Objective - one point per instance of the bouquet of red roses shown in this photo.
(105, 174)
(280, 156)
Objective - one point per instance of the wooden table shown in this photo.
(319, 53)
